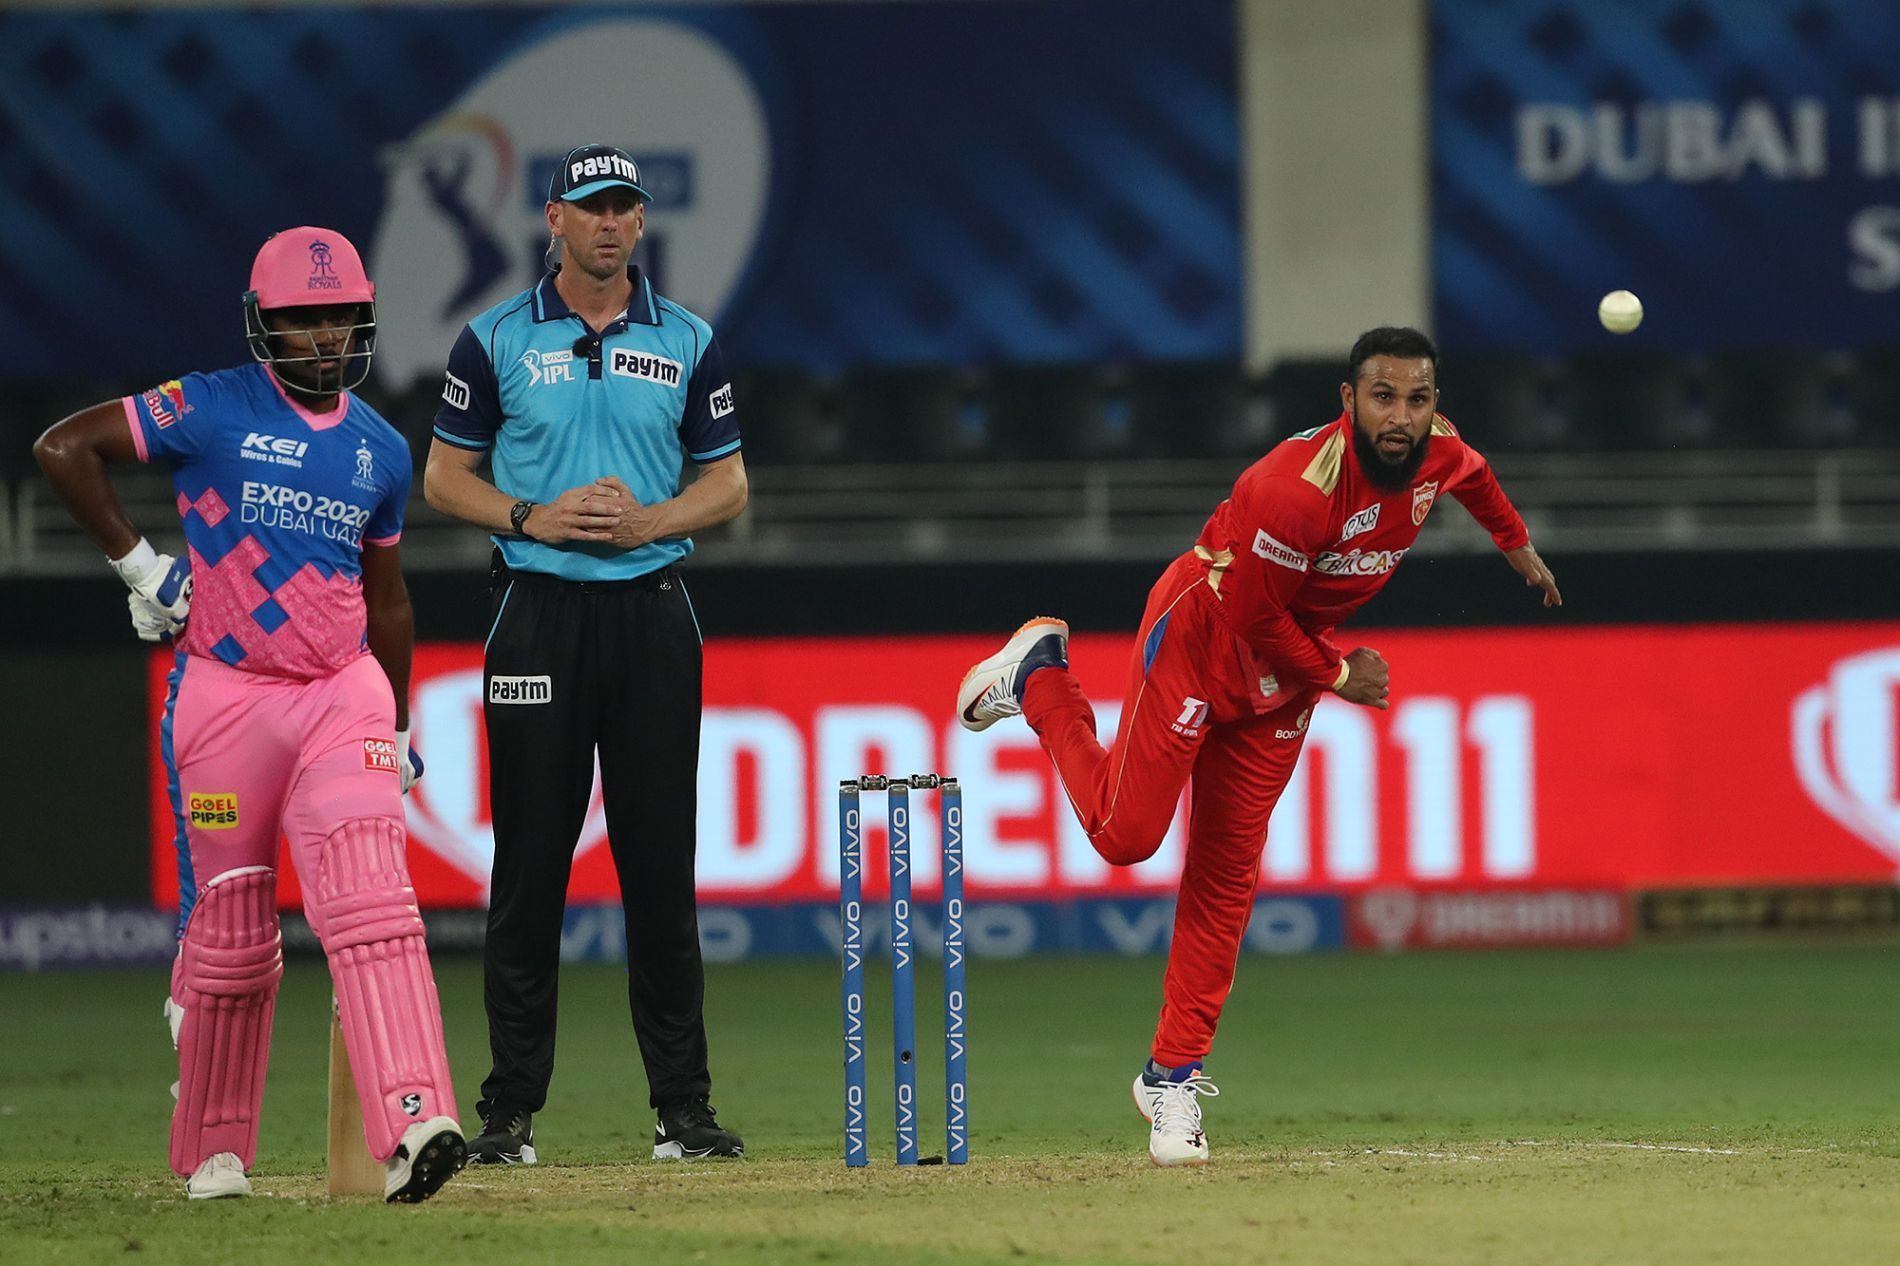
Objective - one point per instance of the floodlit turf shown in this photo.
(1668, 1104)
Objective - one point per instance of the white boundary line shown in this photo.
(1579, 1143)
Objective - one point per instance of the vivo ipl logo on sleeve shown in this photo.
(1847, 746)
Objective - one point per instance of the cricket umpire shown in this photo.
(588, 393)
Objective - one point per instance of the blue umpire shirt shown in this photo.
(650, 392)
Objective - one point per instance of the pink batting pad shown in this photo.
(226, 981)
(386, 998)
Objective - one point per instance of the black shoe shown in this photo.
(687, 1131)
(507, 1136)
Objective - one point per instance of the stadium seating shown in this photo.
(1510, 402)
(1194, 409)
(909, 413)
(1875, 387)
(1049, 412)
(788, 417)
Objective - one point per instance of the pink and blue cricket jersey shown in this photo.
(273, 721)
(277, 504)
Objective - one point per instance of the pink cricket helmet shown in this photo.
(309, 267)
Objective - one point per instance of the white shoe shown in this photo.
(993, 689)
(217, 1178)
(1174, 1108)
(429, 1155)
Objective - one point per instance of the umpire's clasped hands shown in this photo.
(636, 524)
(605, 511)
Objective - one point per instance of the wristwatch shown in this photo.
(518, 517)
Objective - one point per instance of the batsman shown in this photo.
(1234, 652)
(287, 712)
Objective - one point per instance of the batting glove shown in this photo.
(409, 760)
(149, 622)
(159, 579)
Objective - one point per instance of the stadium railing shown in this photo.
(1775, 449)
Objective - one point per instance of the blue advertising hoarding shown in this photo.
(99, 936)
(833, 184)
(1737, 165)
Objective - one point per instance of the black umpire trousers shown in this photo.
(574, 668)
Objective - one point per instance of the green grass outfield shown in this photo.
(1678, 1104)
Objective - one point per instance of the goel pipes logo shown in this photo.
(1845, 746)
(214, 810)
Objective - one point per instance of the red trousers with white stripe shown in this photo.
(1192, 711)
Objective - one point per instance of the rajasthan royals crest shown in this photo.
(1422, 498)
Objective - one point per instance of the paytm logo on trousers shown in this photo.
(521, 689)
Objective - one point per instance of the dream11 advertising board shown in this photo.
(1521, 784)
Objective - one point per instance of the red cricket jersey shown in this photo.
(1306, 539)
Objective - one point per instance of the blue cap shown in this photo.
(588, 169)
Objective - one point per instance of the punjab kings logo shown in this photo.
(1422, 498)
(1846, 736)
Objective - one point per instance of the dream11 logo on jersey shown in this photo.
(464, 222)
(1847, 746)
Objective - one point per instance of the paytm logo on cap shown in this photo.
(602, 166)
(667, 178)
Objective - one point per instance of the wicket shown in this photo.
(903, 967)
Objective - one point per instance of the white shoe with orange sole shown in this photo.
(994, 688)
